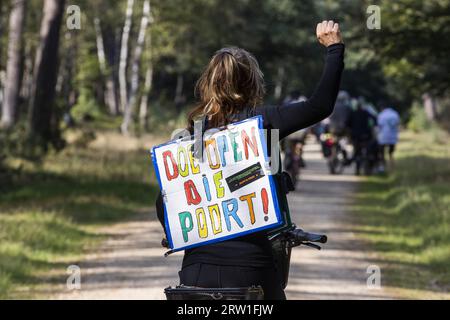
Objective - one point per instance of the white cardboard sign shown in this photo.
(229, 194)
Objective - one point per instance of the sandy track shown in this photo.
(130, 265)
(320, 205)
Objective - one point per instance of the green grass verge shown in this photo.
(405, 215)
(49, 212)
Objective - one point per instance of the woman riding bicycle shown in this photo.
(231, 89)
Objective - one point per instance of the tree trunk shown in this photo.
(148, 85)
(14, 64)
(143, 108)
(131, 101)
(27, 80)
(66, 88)
(430, 105)
(100, 46)
(2, 85)
(179, 99)
(124, 55)
(109, 94)
(41, 129)
(1, 82)
(279, 84)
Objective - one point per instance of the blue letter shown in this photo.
(206, 186)
(223, 147)
(227, 212)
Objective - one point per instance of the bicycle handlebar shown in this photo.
(302, 236)
(294, 238)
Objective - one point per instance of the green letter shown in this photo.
(184, 228)
(237, 154)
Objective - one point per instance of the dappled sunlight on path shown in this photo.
(131, 265)
(338, 271)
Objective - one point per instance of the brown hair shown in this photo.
(231, 82)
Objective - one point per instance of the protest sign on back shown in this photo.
(229, 193)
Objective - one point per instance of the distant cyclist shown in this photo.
(361, 124)
(368, 107)
(388, 125)
(341, 113)
(337, 124)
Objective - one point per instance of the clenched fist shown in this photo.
(328, 33)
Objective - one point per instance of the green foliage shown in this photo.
(31, 242)
(12, 142)
(411, 45)
(405, 216)
(80, 186)
(186, 34)
(49, 211)
(418, 119)
(87, 80)
(16, 144)
(86, 107)
(398, 63)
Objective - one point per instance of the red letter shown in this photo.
(168, 154)
(192, 195)
(246, 142)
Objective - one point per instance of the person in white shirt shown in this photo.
(388, 127)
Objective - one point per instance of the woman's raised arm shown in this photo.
(295, 116)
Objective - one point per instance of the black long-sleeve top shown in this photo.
(255, 249)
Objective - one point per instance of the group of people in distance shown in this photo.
(360, 120)
(363, 124)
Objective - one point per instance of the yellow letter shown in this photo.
(184, 172)
(218, 182)
(217, 220)
(202, 226)
(212, 143)
(194, 165)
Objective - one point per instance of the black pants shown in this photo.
(382, 151)
(215, 276)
